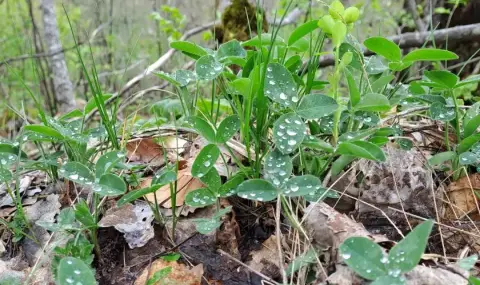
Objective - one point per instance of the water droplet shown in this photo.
(280, 134)
(282, 127)
(291, 133)
(346, 255)
(206, 163)
(200, 175)
(298, 122)
(253, 194)
(74, 176)
(384, 260)
(283, 96)
(369, 270)
(271, 82)
(294, 99)
(292, 142)
(3, 161)
(282, 173)
(69, 280)
(76, 271)
(69, 262)
(294, 188)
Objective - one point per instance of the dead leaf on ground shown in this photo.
(266, 259)
(145, 150)
(462, 198)
(179, 273)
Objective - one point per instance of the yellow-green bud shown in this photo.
(336, 9)
(326, 23)
(347, 58)
(351, 15)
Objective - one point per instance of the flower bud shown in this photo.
(351, 15)
(347, 58)
(336, 9)
(326, 23)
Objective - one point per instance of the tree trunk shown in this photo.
(61, 81)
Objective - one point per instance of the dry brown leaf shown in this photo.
(461, 196)
(179, 274)
(145, 150)
(266, 259)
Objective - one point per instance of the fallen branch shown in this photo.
(458, 34)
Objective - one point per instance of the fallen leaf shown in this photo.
(461, 197)
(145, 150)
(179, 274)
(266, 259)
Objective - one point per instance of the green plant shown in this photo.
(74, 271)
(367, 259)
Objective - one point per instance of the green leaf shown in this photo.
(266, 39)
(208, 68)
(110, 185)
(307, 258)
(338, 33)
(302, 185)
(277, 168)
(467, 143)
(77, 172)
(352, 88)
(441, 112)
(5, 175)
(406, 254)
(45, 131)
(340, 163)
(375, 65)
(442, 77)
(280, 85)
(429, 54)
(159, 275)
(467, 263)
(300, 46)
(189, 48)
(179, 78)
(72, 270)
(373, 102)
(83, 215)
(227, 128)
(200, 198)
(315, 143)
(367, 118)
(379, 84)
(471, 126)
(242, 86)
(205, 160)
(302, 31)
(212, 179)
(441, 157)
(470, 80)
(399, 66)
(92, 104)
(390, 280)
(361, 149)
(203, 128)
(171, 257)
(206, 226)
(107, 161)
(7, 159)
(357, 57)
(319, 194)
(468, 158)
(473, 280)
(288, 132)
(231, 49)
(164, 177)
(404, 144)
(135, 194)
(384, 47)
(293, 63)
(257, 189)
(9, 148)
(315, 106)
(229, 187)
(364, 257)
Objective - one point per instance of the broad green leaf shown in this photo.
(373, 102)
(367, 118)
(340, 163)
(288, 132)
(380, 84)
(315, 106)
(293, 63)
(92, 104)
(257, 189)
(468, 158)
(164, 176)
(357, 57)
(441, 112)
(429, 54)
(384, 47)
(467, 263)
(302, 185)
(442, 77)
(189, 48)
(13, 149)
(72, 114)
(470, 80)
(404, 143)
(473, 280)
(83, 215)
(208, 68)
(200, 198)
(205, 160)
(406, 254)
(379, 141)
(467, 143)
(301, 261)
(110, 185)
(231, 49)
(229, 188)
(361, 149)
(471, 126)
(399, 66)
(431, 98)
(352, 88)
(77, 172)
(7, 159)
(45, 131)
(242, 86)
(277, 168)
(5, 175)
(203, 128)
(320, 194)
(179, 78)
(441, 157)
(107, 161)
(168, 77)
(134, 195)
(358, 135)
(280, 85)
(73, 270)
(300, 46)
(227, 128)
(315, 143)
(375, 65)
(206, 226)
(338, 33)
(364, 257)
(266, 39)
(302, 31)
(212, 179)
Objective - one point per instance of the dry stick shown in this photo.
(248, 267)
(279, 239)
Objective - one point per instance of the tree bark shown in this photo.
(61, 81)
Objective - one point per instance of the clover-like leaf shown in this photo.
(301, 185)
(288, 132)
(7, 159)
(367, 118)
(468, 158)
(364, 257)
(200, 198)
(5, 175)
(212, 179)
(277, 168)
(110, 185)
(319, 194)
(107, 161)
(315, 106)
(164, 177)
(280, 85)
(45, 131)
(429, 54)
(384, 47)
(229, 188)
(373, 102)
(227, 128)
(361, 149)
(315, 143)
(442, 77)
(441, 157)
(300, 261)
(231, 49)
(73, 270)
(203, 128)
(257, 189)
(206, 226)
(208, 68)
(77, 172)
(205, 160)
(189, 48)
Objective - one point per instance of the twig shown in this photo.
(279, 239)
(412, 7)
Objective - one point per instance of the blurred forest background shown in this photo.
(126, 37)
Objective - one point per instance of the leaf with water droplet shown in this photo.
(277, 168)
(301, 185)
(164, 177)
(200, 198)
(467, 263)
(205, 160)
(227, 128)
(444, 78)
(74, 271)
(45, 132)
(191, 49)
(110, 185)
(367, 118)
(208, 68)
(388, 280)
(364, 257)
(468, 158)
(406, 254)
(315, 106)
(361, 149)
(288, 132)
(212, 179)
(307, 258)
(203, 128)
(206, 226)
(441, 112)
(373, 102)
(107, 161)
(77, 172)
(280, 85)
(231, 49)
(5, 175)
(257, 189)
(318, 144)
(7, 159)
(229, 188)
(319, 194)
